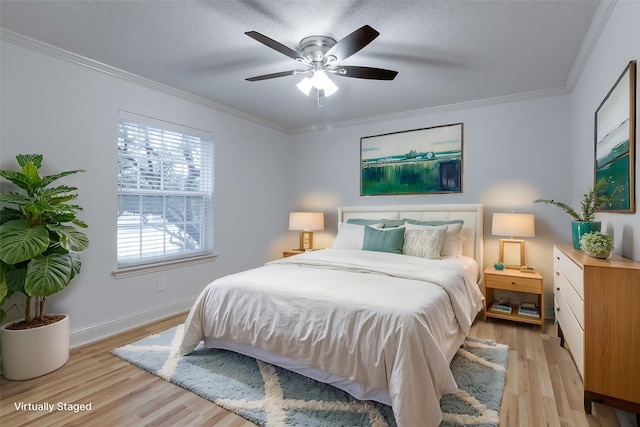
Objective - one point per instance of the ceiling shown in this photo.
(445, 52)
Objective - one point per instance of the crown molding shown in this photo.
(593, 35)
(36, 45)
(479, 103)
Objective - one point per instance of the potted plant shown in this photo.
(596, 244)
(39, 245)
(584, 221)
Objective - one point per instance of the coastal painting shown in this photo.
(416, 161)
(615, 142)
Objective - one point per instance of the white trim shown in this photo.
(167, 265)
(115, 326)
(478, 103)
(593, 35)
(28, 42)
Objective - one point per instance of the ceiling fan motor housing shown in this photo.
(314, 48)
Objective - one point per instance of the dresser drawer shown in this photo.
(573, 300)
(572, 272)
(573, 333)
(519, 284)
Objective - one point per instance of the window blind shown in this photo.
(165, 194)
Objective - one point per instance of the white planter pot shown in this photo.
(31, 353)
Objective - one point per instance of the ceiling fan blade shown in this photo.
(275, 75)
(353, 42)
(274, 44)
(367, 73)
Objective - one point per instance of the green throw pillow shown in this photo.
(390, 240)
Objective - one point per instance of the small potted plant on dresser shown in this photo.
(39, 245)
(584, 221)
(596, 244)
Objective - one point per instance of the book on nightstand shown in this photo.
(500, 307)
(528, 309)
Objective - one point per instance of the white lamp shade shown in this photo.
(306, 221)
(513, 224)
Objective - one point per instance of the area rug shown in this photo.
(271, 396)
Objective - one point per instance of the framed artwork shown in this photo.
(412, 162)
(615, 134)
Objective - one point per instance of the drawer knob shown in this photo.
(558, 288)
(513, 283)
(557, 273)
(557, 308)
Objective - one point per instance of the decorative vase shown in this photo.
(31, 353)
(578, 228)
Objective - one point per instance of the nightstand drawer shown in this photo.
(519, 284)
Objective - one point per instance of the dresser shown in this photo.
(597, 307)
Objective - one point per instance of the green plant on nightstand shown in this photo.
(596, 244)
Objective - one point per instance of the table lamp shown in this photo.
(513, 225)
(306, 223)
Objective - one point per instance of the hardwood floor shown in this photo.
(542, 389)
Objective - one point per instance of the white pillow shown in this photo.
(460, 244)
(350, 236)
(424, 243)
(450, 245)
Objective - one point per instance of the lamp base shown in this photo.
(512, 253)
(306, 240)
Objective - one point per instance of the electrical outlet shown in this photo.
(162, 284)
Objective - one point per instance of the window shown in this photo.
(165, 192)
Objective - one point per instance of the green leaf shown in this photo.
(47, 275)
(3, 283)
(31, 172)
(36, 159)
(17, 178)
(9, 214)
(76, 264)
(19, 242)
(15, 280)
(70, 238)
(46, 180)
(15, 199)
(80, 223)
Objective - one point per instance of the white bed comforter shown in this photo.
(375, 318)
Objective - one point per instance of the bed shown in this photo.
(378, 324)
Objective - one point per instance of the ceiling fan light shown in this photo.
(305, 85)
(321, 81)
(330, 89)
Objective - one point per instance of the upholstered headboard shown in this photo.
(472, 214)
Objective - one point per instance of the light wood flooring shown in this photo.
(542, 389)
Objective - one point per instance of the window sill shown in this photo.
(123, 273)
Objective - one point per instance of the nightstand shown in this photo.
(291, 252)
(513, 281)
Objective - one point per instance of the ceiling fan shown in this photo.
(319, 56)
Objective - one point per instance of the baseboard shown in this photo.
(103, 330)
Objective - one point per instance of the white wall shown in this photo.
(513, 154)
(69, 113)
(618, 44)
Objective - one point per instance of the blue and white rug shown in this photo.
(271, 396)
